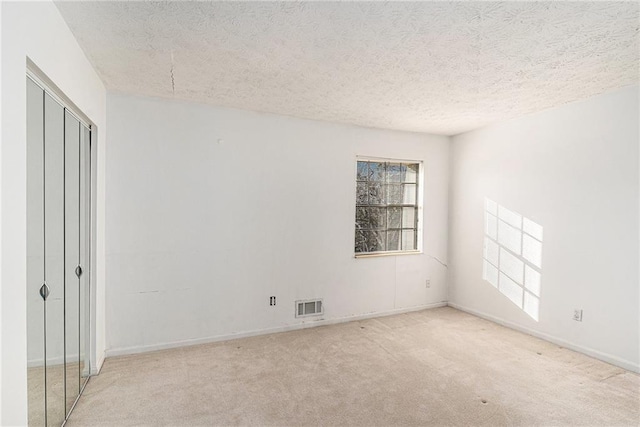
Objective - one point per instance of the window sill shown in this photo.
(380, 254)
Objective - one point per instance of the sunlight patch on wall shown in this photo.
(513, 256)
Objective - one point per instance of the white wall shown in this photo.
(1, 200)
(200, 234)
(573, 170)
(37, 31)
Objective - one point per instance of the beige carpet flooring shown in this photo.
(438, 367)
(56, 409)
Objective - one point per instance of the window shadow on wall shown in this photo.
(513, 256)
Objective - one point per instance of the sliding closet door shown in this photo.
(54, 275)
(35, 254)
(72, 257)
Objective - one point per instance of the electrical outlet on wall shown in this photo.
(272, 301)
(577, 315)
(428, 283)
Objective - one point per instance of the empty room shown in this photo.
(319, 213)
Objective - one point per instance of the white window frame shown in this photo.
(419, 201)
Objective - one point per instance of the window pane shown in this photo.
(362, 221)
(368, 218)
(409, 194)
(394, 194)
(376, 193)
(374, 218)
(393, 240)
(363, 167)
(408, 240)
(375, 241)
(361, 241)
(394, 172)
(362, 195)
(411, 173)
(394, 217)
(376, 172)
(408, 217)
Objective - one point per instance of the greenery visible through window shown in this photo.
(386, 207)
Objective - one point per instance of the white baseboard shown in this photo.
(306, 324)
(605, 357)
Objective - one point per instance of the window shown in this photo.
(386, 206)
(513, 256)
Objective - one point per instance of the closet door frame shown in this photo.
(40, 79)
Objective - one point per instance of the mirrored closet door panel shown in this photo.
(85, 243)
(72, 134)
(35, 254)
(54, 259)
(58, 261)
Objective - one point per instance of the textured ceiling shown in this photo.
(439, 67)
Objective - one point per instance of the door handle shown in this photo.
(44, 291)
(78, 271)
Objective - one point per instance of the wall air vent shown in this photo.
(312, 307)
